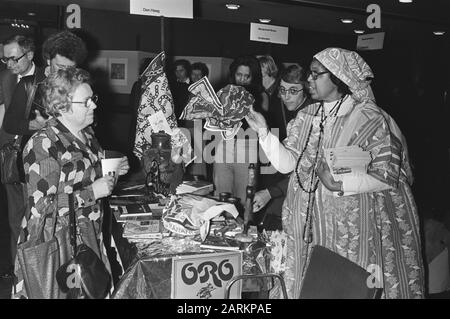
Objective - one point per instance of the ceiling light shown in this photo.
(405, 1)
(438, 32)
(347, 20)
(31, 13)
(232, 6)
(264, 20)
(359, 31)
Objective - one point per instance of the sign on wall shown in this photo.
(268, 33)
(166, 8)
(206, 276)
(371, 41)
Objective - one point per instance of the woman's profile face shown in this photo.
(243, 75)
(320, 86)
(81, 113)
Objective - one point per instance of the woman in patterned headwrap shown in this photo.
(370, 218)
(65, 157)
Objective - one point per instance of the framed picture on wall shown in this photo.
(118, 71)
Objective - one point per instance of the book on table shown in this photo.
(131, 211)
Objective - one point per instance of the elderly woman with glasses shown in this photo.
(368, 217)
(65, 157)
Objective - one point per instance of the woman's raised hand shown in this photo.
(256, 120)
(103, 186)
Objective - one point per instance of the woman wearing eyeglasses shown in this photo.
(368, 217)
(65, 157)
(292, 97)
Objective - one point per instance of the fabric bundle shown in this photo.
(223, 111)
(156, 97)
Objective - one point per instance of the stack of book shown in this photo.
(137, 212)
(347, 159)
(151, 229)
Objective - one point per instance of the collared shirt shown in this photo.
(30, 72)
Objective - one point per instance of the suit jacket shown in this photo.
(8, 83)
(15, 121)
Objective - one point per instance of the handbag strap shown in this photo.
(72, 223)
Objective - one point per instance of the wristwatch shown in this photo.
(341, 188)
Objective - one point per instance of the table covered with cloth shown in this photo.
(148, 266)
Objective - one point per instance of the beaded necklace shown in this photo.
(307, 231)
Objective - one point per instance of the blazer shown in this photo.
(8, 82)
(15, 121)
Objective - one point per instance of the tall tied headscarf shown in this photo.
(350, 68)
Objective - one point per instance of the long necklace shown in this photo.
(314, 181)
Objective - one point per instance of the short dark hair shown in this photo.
(200, 66)
(185, 64)
(26, 43)
(294, 74)
(66, 44)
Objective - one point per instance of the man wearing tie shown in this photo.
(18, 53)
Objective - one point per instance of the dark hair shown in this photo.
(341, 86)
(253, 64)
(66, 44)
(294, 74)
(26, 43)
(185, 64)
(200, 66)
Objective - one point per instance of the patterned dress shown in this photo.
(376, 230)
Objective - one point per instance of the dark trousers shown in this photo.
(17, 205)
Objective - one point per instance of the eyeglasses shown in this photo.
(93, 98)
(13, 59)
(292, 91)
(314, 75)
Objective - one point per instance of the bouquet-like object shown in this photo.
(223, 111)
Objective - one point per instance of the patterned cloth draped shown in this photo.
(378, 228)
(157, 97)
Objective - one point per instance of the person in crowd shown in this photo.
(269, 72)
(179, 87)
(294, 97)
(65, 157)
(60, 50)
(233, 157)
(198, 70)
(18, 53)
(370, 218)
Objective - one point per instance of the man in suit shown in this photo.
(18, 53)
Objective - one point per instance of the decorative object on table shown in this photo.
(163, 175)
(223, 111)
(84, 276)
(190, 215)
(155, 111)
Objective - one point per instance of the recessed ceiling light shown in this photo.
(438, 32)
(232, 6)
(346, 20)
(264, 20)
(359, 31)
(405, 1)
(31, 13)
